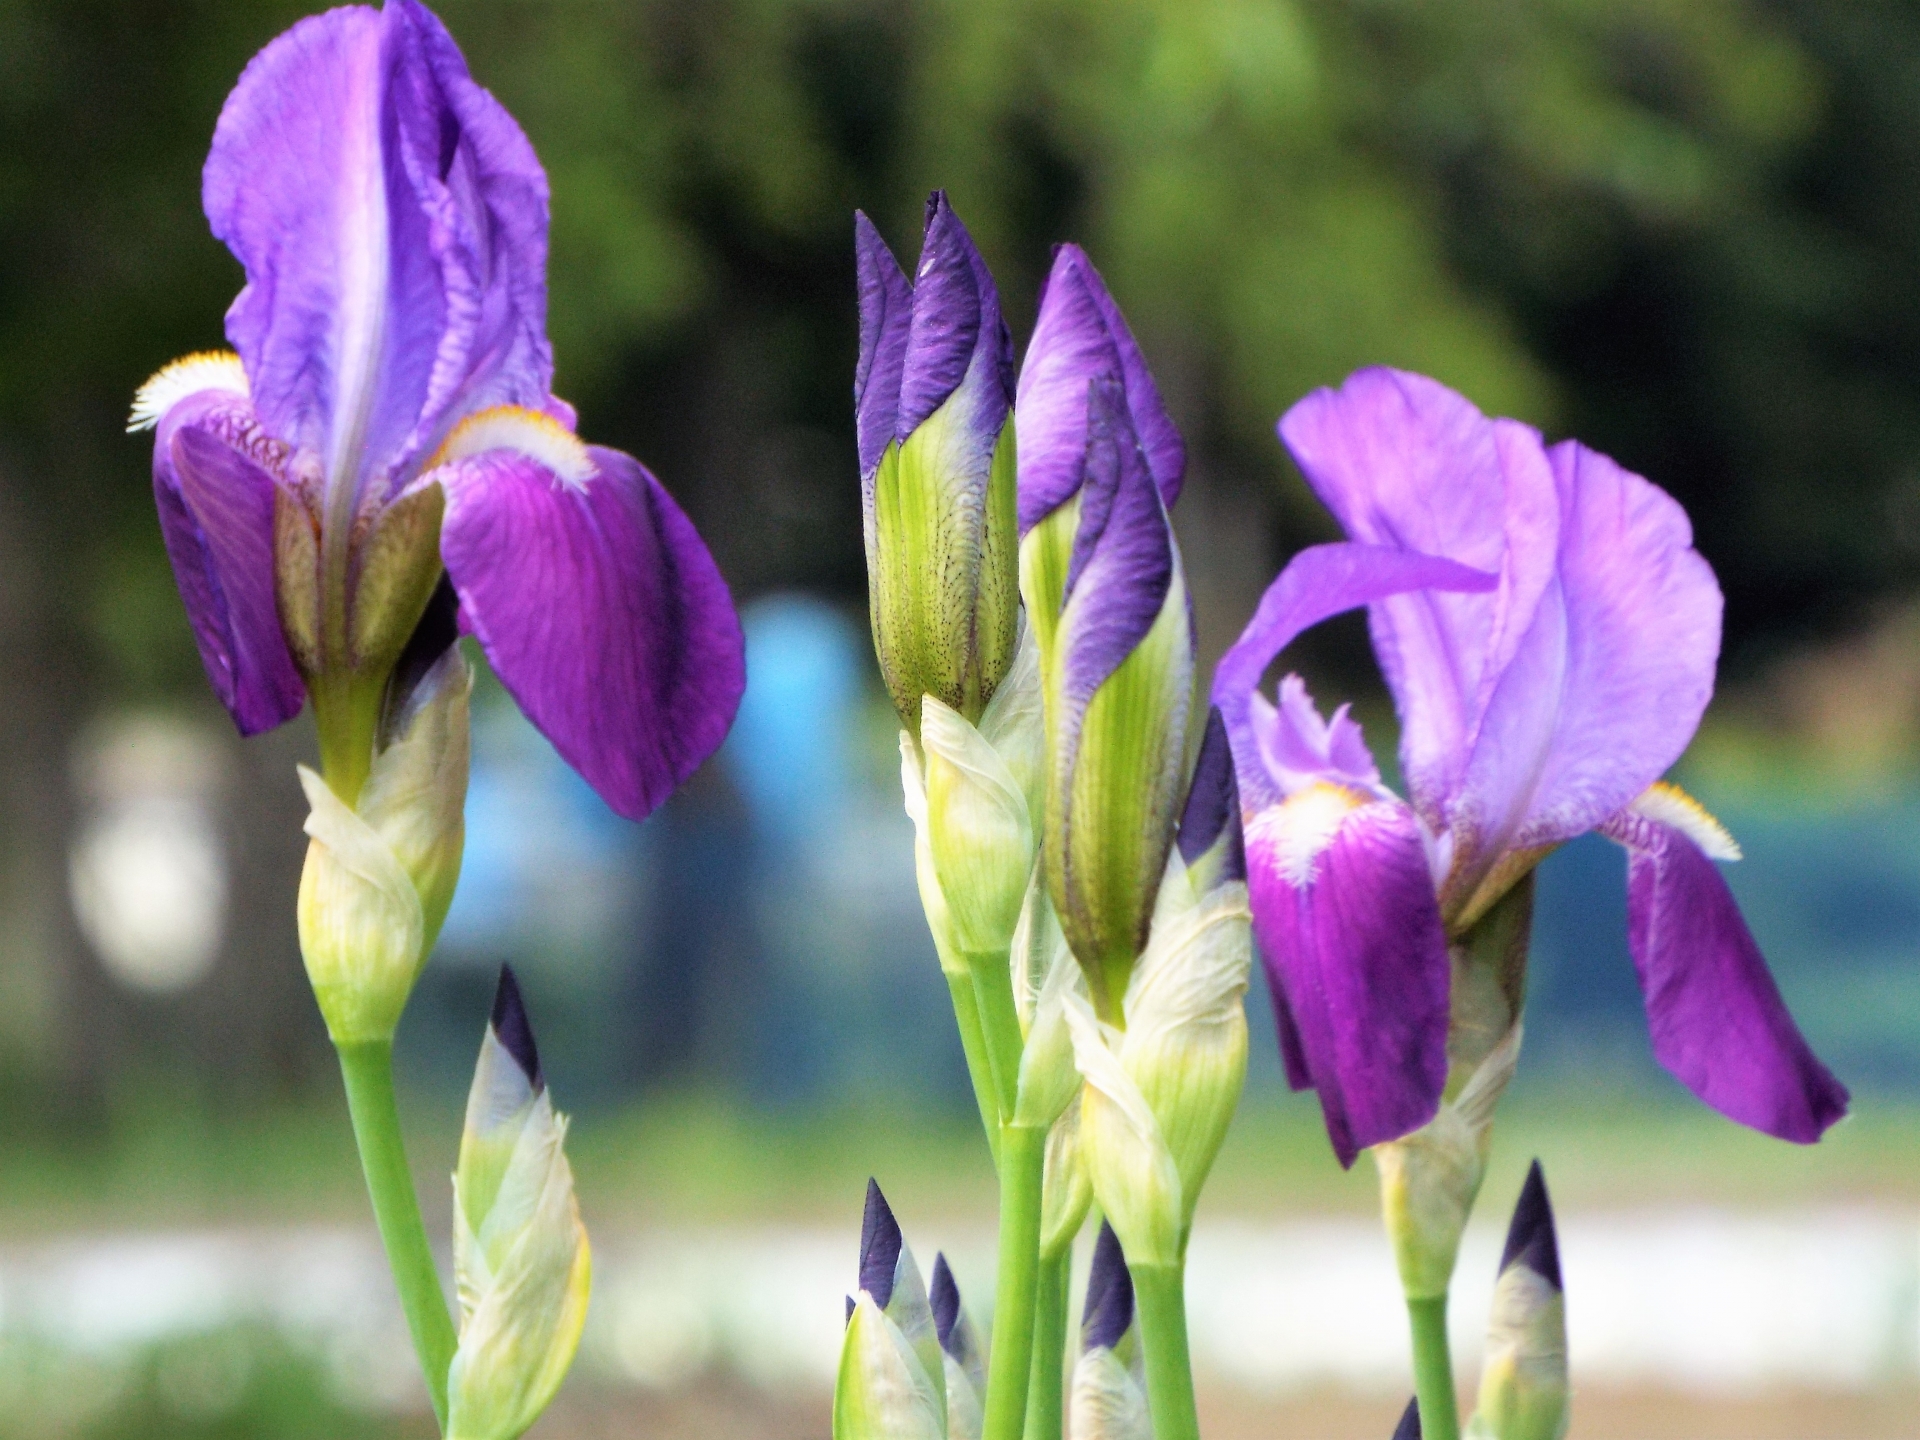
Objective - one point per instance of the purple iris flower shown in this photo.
(389, 413)
(1549, 635)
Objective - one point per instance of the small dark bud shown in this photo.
(510, 1027)
(1109, 1309)
(944, 1296)
(1530, 1239)
(880, 1243)
(1409, 1426)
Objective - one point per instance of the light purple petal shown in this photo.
(216, 516)
(1079, 336)
(602, 613)
(1403, 461)
(392, 222)
(1608, 685)
(1318, 583)
(1344, 908)
(1299, 749)
(1716, 1016)
(886, 315)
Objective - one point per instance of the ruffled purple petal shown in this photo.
(1607, 686)
(602, 613)
(886, 316)
(1403, 461)
(1318, 583)
(216, 517)
(1080, 336)
(1716, 1016)
(1344, 907)
(392, 222)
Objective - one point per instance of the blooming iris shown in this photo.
(387, 430)
(1549, 636)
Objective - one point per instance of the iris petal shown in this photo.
(1716, 1016)
(601, 611)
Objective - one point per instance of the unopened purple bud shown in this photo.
(1210, 833)
(880, 1242)
(1109, 1311)
(512, 1030)
(1409, 1426)
(1530, 1238)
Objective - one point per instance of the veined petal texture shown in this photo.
(601, 611)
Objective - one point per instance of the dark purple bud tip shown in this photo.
(944, 1296)
(511, 1029)
(433, 635)
(1409, 1426)
(1213, 801)
(850, 1309)
(880, 1244)
(1530, 1239)
(1109, 1294)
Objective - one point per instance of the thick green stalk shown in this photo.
(1433, 1369)
(966, 1014)
(1023, 1153)
(1000, 1025)
(368, 1070)
(1046, 1384)
(1160, 1302)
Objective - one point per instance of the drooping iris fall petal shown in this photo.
(1713, 1009)
(602, 612)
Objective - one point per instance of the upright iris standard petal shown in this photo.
(1118, 671)
(602, 612)
(886, 317)
(216, 515)
(392, 221)
(1716, 1016)
(1080, 336)
(1530, 714)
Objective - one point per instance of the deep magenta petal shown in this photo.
(1716, 1017)
(603, 614)
(1357, 958)
(392, 222)
(1318, 583)
(1080, 336)
(216, 517)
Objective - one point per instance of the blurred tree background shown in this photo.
(1685, 230)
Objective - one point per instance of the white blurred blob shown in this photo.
(148, 873)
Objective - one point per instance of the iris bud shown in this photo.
(520, 1255)
(965, 1366)
(1108, 1400)
(933, 396)
(1524, 1393)
(891, 1383)
(380, 873)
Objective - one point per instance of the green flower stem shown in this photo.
(1000, 1025)
(367, 1068)
(1023, 1154)
(1160, 1301)
(973, 1040)
(1433, 1369)
(1046, 1384)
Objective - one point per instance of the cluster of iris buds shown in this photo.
(1097, 855)
(379, 467)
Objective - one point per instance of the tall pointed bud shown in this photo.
(964, 1362)
(933, 395)
(1100, 465)
(892, 1379)
(380, 873)
(520, 1255)
(1109, 1398)
(1524, 1394)
(1409, 1426)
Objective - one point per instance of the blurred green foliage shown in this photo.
(1681, 228)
